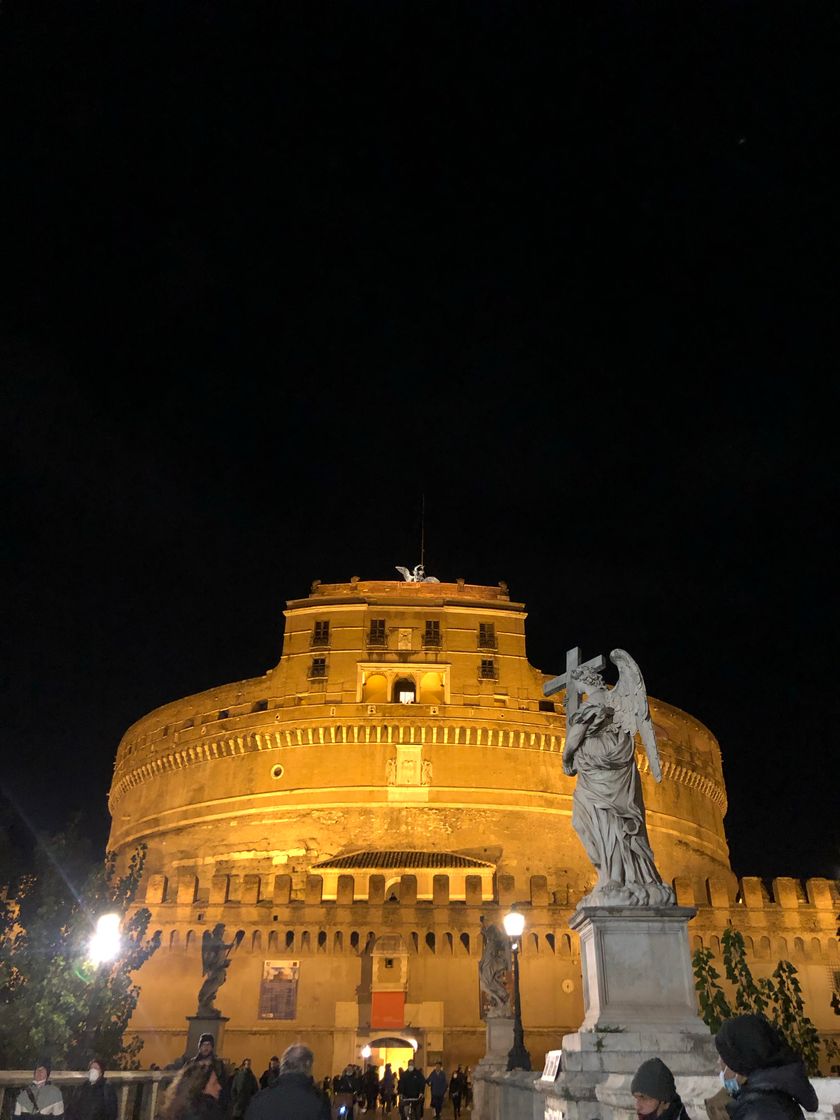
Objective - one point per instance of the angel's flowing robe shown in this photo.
(608, 813)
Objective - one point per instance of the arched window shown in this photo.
(405, 691)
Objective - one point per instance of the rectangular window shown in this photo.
(487, 669)
(278, 990)
(376, 633)
(321, 634)
(486, 635)
(318, 668)
(431, 633)
(547, 706)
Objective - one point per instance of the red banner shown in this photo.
(387, 1009)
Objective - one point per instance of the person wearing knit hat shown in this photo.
(765, 1077)
(655, 1092)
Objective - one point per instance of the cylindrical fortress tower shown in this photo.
(359, 810)
(401, 715)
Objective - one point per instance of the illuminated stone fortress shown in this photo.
(357, 809)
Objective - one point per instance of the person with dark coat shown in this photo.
(194, 1094)
(294, 1095)
(411, 1086)
(344, 1096)
(655, 1092)
(370, 1083)
(96, 1100)
(456, 1092)
(206, 1056)
(388, 1089)
(243, 1086)
(766, 1078)
(270, 1076)
(437, 1086)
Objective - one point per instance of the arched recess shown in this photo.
(375, 689)
(405, 691)
(431, 688)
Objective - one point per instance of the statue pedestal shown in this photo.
(637, 968)
(499, 1032)
(197, 1025)
(639, 1001)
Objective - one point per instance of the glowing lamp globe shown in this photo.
(105, 943)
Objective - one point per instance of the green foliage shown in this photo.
(55, 1002)
(714, 1007)
(778, 998)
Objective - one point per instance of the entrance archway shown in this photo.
(405, 691)
(391, 1048)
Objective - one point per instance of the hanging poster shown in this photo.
(278, 989)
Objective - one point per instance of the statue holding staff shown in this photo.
(608, 812)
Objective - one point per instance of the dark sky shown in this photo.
(273, 274)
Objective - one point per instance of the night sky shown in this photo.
(274, 277)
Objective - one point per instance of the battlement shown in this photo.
(749, 894)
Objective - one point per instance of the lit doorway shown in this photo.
(398, 1051)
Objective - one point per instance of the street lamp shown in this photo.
(105, 943)
(518, 1056)
(366, 1053)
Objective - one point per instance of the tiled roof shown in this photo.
(400, 860)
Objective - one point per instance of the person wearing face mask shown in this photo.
(655, 1092)
(96, 1100)
(40, 1097)
(764, 1076)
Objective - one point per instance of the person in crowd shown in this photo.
(243, 1086)
(437, 1087)
(40, 1095)
(456, 1092)
(270, 1076)
(344, 1096)
(195, 1094)
(326, 1088)
(294, 1095)
(411, 1086)
(765, 1077)
(370, 1087)
(655, 1092)
(468, 1088)
(96, 1099)
(206, 1056)
(388, 1089)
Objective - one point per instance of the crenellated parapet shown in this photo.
(795, 920)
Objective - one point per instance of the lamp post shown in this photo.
(518, 1056)
(366, 1053)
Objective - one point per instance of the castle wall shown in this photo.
(332, 941)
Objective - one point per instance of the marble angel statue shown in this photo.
(608, 813)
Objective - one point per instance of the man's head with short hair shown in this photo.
(297, 1059)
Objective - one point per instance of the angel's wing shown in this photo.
(406, 574)
(630, 703)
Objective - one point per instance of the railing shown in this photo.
(139, 1092)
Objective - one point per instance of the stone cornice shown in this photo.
(320, 734)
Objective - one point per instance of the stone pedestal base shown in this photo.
(197, 1025)
(497, 1047)
(637, 969)
(639, 1002)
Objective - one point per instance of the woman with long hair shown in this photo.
(194, 1095)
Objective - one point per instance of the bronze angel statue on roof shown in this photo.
(608, 812)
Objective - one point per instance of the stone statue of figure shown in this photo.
(492, 968)
(215, 961)
(608, 812)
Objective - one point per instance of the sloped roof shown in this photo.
(400, 860)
